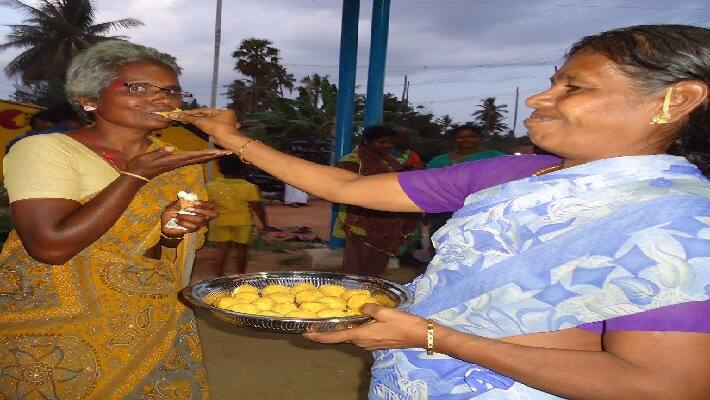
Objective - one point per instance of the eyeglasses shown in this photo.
(148, 89)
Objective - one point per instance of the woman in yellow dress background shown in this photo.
(235, 199)
(89, 278)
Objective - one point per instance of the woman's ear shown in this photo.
(87, 104)
(687, 95)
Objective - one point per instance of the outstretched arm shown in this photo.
(632, 365)
(379, 192)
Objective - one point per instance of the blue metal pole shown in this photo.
(379, 32)
(346, 94)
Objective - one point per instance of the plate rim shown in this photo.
(187, 294)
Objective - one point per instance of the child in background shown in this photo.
(236, 200)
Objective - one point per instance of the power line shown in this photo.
(426, 67)
(558, 5)
(442, 82)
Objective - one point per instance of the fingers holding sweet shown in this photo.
(216, 122)
(192, 222)
(204, 209)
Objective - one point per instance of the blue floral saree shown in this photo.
(600, 240)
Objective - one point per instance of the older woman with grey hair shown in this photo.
(100, 251)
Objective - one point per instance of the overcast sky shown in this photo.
(454, 52)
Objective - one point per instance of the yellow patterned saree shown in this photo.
(107, 324)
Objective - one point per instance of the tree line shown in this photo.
(272, 104)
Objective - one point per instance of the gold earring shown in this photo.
(665, 116)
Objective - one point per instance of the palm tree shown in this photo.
(53, 33)
(445, 121)
(260, 63)
(311, 88)
(490, 116)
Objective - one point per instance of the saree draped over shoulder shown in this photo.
(108, 323)
(609, 238)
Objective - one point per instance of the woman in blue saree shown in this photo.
(585, 276)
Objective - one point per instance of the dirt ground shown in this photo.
(244, 364)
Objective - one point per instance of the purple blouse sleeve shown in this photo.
(445, 189)
(684, 317)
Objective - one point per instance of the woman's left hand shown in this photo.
(204, 211)
(391, 329)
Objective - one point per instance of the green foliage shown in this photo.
(190, 105)
(267, 115)
(506, 143)
(490, 116)
(53, 33)
(265, 78)
(309, 116)
(44, 94)
(400, 113)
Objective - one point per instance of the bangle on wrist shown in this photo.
(164, 236)
(430, 337)
(240, 153)
(131, 174)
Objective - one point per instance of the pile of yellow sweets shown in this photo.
(303, 300)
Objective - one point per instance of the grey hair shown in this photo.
(94, 68)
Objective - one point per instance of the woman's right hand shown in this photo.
(219, 123)
(167, 158)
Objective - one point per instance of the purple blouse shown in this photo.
(440, 190)
(445, 189)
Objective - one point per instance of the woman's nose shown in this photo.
(161, 97)
(539, 99)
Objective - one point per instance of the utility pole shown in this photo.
(215, 74)
(405, 89)
(515, 114)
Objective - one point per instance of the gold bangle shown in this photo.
(244, 147)
(131, 174)
(430, 337)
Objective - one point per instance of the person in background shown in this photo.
(409, 158)
(525, 146)
(372, 237)
(583, 276)
(58, 118)
(467, 141)
(410, 161)
(293, 196)
(89, 277)
(235, 200)
(40, 120)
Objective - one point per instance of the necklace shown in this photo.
(110, 158)
(545, 170)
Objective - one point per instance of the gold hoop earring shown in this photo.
(665, 116)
